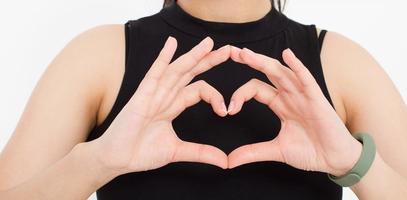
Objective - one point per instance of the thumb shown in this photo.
(202, 153)
(262, 151)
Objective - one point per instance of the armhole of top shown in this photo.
(321, 37)
(319, 73)
(127, 41)
(99, 130)
(115, 107)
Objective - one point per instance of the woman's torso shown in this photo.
(263, 180)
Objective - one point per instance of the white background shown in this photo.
(33, 32)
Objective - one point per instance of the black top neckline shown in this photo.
(267, 26)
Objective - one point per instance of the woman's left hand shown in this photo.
(312, 136)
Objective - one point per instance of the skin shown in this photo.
(68, 168)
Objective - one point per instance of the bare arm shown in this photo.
(61, 111)
(373, 105)
(140, 138)
(76, 176)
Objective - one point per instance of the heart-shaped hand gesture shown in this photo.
(141, 137)
(312, 136)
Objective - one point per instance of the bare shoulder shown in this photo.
(109, 42)
(351, 71)
(350, 68)
(102, 48)
(65, 103)
(99, 53)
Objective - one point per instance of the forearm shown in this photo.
(381, 182)
(75, 176)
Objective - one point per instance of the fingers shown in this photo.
(182, 65)
(192, 94)
(273, 69)
(261, 91)
(203, 153)
(302, 73)
(262, 151)
(235, 54)
(282, 77)
(190, 59)
(304, 76)
(147, 87)
(212, 59)
(202, 90)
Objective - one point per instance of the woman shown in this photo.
(110, 112)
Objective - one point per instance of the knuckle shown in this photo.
(278, 77)
(201, 82)
(175, 71)
(275, 62)
(151, 75)
(271, 62)
(164, 87)
(254, 81)
(206, 61)
(159, 61)
(190, 74)
(193, 55)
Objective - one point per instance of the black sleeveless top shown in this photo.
(269, 35)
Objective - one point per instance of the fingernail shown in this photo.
(224, 108)
(168, 40)
(205, 41)
(231, 106)
(224, 47)
(290, 52)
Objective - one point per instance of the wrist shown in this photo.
(86, 154)
(350, 158)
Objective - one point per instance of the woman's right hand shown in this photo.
(141, 137)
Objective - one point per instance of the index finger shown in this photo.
(282, 77)
(194, 93)
(187, 61)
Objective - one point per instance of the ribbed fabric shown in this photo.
(269, 35)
